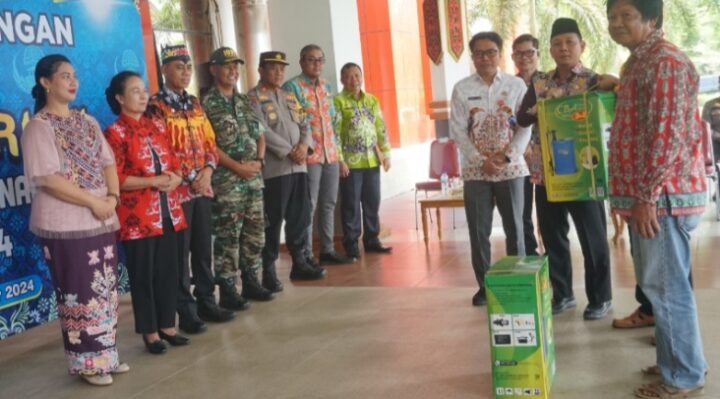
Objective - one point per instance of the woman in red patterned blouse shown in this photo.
(150, 213)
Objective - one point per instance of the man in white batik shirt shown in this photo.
(482, 122)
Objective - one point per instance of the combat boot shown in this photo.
(229, 296)
(302, 270)
(270, 280)
(251, 288)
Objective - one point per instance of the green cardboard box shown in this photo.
(574, 132)
(519, 310)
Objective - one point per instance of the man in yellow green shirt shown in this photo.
(364, 146)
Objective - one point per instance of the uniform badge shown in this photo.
(272, 116)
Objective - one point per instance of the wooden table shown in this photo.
(443, 201)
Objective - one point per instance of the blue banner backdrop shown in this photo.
(101, 38)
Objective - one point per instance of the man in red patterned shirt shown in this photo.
(193, 140)
(657, 181)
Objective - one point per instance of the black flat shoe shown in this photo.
(156, 347)
(377, 247)
(479, 299)
(174, 340)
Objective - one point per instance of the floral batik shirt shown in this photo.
(315, 98)
(482, 122)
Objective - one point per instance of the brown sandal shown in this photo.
(659, 390)
(654, 371)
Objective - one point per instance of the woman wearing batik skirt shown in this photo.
(72, 167)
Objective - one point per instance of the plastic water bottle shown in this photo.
(444, 183)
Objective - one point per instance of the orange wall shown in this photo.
(394, 70)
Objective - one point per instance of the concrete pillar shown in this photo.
(335, 28)
(252, 33)
(199, 39)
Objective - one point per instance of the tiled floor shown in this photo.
(392, 326)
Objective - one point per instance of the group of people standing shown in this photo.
(172, 171)
(657, 176)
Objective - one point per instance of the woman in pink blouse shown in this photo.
(150, 212)
(73, 212)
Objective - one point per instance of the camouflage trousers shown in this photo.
(239, 229)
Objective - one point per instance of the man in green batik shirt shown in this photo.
(364, 146)
(238, 215)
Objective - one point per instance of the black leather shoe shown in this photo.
(192, 326)
(174, 340)
(563, 305)
(597, 312)
(312, 262)
(377, 247)
(479, 298)
(156, 347)
(353, 252)
(334, 258)
(304, 271)
(210, 312)
(253, 290)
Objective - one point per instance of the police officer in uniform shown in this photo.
(286, 194)
(237, 211)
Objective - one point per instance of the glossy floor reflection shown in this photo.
(395, 326)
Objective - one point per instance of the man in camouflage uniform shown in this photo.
(286, 194)
(238, 216)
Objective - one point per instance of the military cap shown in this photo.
(273, 56)
(224, 55)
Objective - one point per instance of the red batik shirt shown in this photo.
(656, 150)
(191, 136)
(133, 142)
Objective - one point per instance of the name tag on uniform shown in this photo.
(474, 98)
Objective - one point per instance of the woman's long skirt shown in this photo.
(84, 273)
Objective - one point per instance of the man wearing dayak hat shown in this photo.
(569, 78)
(193, 140)
(286, 195)
(238, 215)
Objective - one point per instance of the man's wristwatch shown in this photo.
(261, 160)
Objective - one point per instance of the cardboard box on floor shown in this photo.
(519, 310)
(574, 132)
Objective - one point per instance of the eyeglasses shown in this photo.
(485, 53)
(525, 54)
(313, 60)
